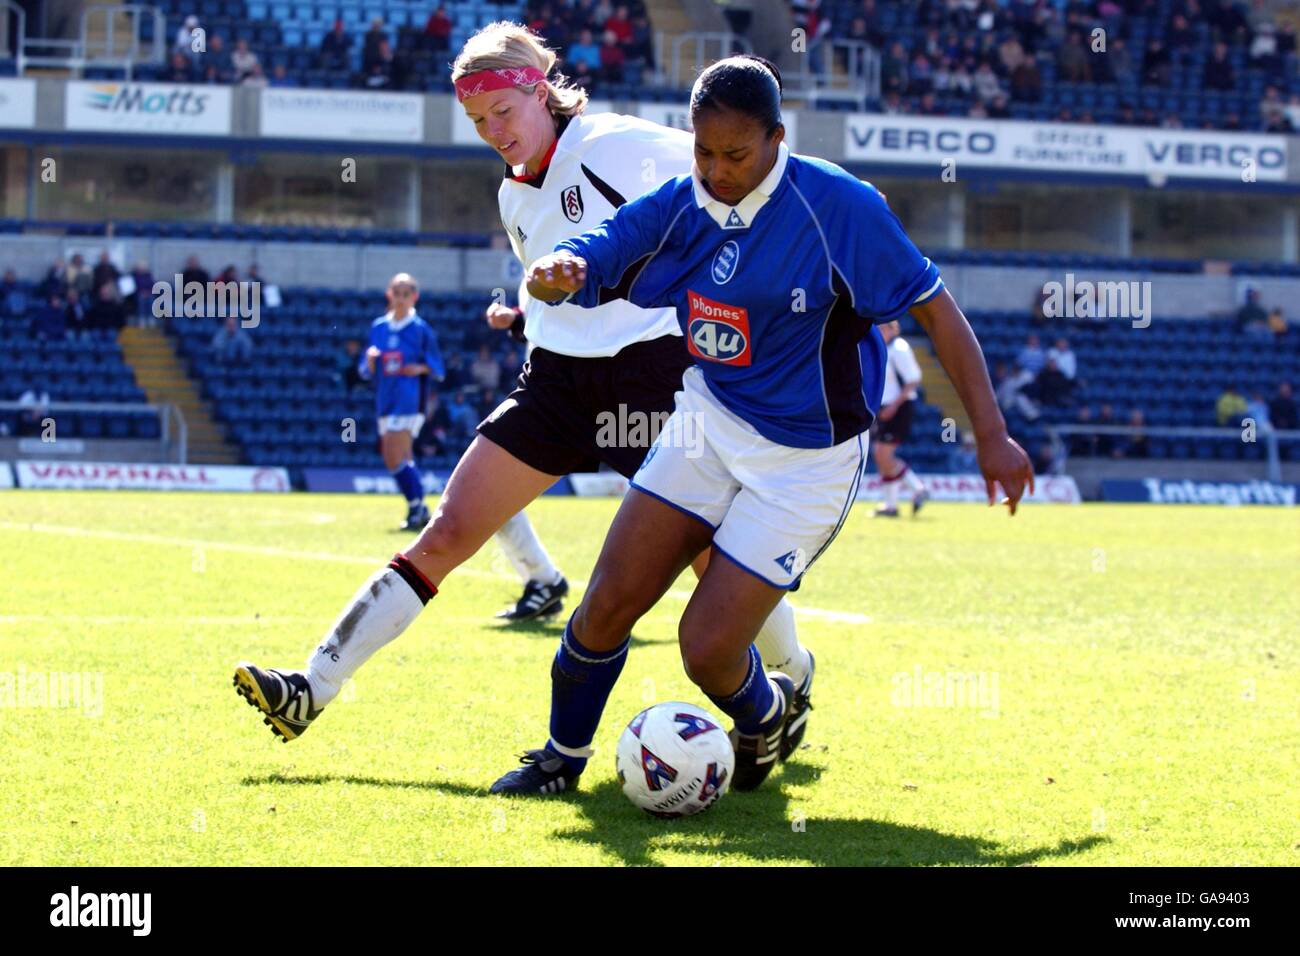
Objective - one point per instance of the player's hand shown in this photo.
(888, 412)
(500, 316)
(372, 356)
(562, 271)
(1003, 462)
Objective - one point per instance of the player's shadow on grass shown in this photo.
(552, 628)
(766, 826)
(319, 779)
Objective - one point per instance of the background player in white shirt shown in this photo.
(565, 172)
(894, 423)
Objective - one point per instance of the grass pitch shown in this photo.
(1107, 685)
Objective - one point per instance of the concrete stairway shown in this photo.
(161, 374)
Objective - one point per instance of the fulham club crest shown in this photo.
(571, 203)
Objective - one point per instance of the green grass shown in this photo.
(1146, 659)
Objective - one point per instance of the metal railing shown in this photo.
(694, 51)
(1269, 437)
(840, 70)
(116, 46)
(173, 437)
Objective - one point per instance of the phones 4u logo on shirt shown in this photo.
(392, 362)
(717, 332)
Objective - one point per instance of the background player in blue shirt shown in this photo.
(778, 267)
(402, 356)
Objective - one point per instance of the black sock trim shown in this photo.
(423, 589)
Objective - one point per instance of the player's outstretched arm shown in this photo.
(1001, 459)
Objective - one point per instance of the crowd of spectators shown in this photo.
(985, 56)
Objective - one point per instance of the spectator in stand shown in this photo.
(50, 323)
(80, 275)
(456, 376)
(105, 316)
(987, 85)
(1263, 51)
(437, 31)
(181, 69)
(216, 62)
(75, 318)
(370, 53)
(104, 272)
(1218, 73)
(184, 42)
(1084, 444)
(488, 400)
(641, 48)
(1230, 407)
(1032, 358)
(1010, 388)
(242, 60)
(612, 59)
(13, 300)
(1227, 20)
(194, 272)
(56, 280)
(1065, 359)
(1051, 386)
(1257, 412)
(1135, 445)
(485, 371)
(582, 76)
(347, 374)
(232, 345)
(140, 302)
(255, 77)
(584, 51)
(1180, 37)
(379, 75)
(1156, 64)
(35, 407)
(620, 25)
(464, 416)
(1251, 312)
(434, 437)
(280, 76)
(1073, 62)
(1106, 444)
(334, 48)
(1282, 410)
(1277, 324)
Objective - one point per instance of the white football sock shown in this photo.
(890, 490)
(913, 482)
(520, 544)
(381, 610)
(778, 644)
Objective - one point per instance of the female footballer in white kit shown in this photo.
(778, 267)
(565, 171)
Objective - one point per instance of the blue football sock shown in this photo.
(408, 482)
(581, 680)
(756, 706)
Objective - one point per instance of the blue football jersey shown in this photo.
(402, 343)
(777, 295)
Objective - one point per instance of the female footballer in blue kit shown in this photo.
(778, 266)
(401, 356)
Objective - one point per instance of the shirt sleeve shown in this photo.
(886, 273)
(363, 369)
(636, 230)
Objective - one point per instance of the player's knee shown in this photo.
(705, 658)
(446, 536)
(609, 610)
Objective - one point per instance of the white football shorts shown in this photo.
(401, 423)
(774, 509)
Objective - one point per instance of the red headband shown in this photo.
(473, 84)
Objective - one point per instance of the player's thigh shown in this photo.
(649, 544)
(488, 487)
(722, 618)
(396, 448)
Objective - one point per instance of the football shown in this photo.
(674, 760)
